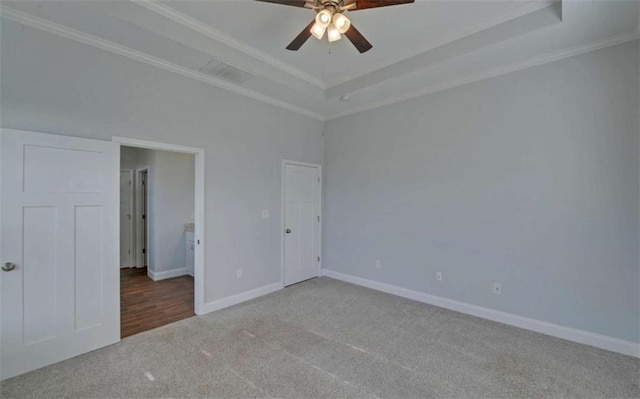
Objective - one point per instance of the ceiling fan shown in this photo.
(330, 18)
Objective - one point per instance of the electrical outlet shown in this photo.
(497, 288)
(265, 214)
(239, 273)
(378, 264)
(439, 276)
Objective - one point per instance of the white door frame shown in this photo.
(137, 225)
(199, 233)
(286, 162)
(134, 259)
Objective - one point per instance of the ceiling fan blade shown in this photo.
(366, 4)
(301, 38)
(293, 3)
(358, 40)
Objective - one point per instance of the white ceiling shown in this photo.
(418, 48)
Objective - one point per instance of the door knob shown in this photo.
(288, 231)
(7, 267)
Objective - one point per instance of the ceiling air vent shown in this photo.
(224, 71)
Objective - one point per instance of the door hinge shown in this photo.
(144, 250)
(129, 182)
(318, 219)
(318, 259)
(129, 252)
(318, 180)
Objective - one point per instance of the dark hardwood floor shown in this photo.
(146, 304)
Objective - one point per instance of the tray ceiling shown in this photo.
(418, 48)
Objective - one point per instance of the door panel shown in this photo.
(302, 223)
(39, 280)
(308, 256)
(89, 262)
(59, 227)
(47, 170)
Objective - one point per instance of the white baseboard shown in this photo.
(239, 298)
(555, 330)
(163, 275)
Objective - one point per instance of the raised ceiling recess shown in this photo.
(418, 48)
(330, 18)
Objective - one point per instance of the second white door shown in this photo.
(126, 219)
(301, 222)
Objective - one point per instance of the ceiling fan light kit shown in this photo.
(330, 18)
(323, 18)
(335, 24)
(341, 22)
(318, 30)
(333, 33)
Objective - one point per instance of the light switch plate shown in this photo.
(265, 213)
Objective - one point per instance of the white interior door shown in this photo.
(59, 230)
(127, 258)
(301, 222)
(142, 253)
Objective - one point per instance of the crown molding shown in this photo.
(494, 72)
(207, 30)
(69, 33)
(85, 38)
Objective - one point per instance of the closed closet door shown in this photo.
(301, 223)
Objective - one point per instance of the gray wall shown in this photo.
(172, 185)
(51, 84)
(128, 158)
(529, 179)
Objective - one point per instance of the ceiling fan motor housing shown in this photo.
(332, 6)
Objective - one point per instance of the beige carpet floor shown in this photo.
(328, 339)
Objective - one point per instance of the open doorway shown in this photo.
(158, 242)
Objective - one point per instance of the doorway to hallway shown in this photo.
(157, 238)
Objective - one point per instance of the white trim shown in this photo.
(51, 27)
(82, 37)
(163, 275)
(282, 212)
(140, 257)
(154, 145)
(239, 298)
(572, 334)
(491, 73)
(222, 37)
(199, 216)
